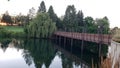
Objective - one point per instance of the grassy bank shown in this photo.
(11, 31)
(116, 36)
(13, 28)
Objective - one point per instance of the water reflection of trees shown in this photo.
(27, 57)
(9, 42)
(66, 62)
(4, 43)
(41, 51)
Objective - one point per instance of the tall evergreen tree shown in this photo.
(80, 17)
(54, 17)
(42, 7)
(70, 18)
(80, 22)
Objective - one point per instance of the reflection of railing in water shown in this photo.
(104, 38)
(70, 51)
(72, 56)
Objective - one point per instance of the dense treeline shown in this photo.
(76, 22)
(44, 23)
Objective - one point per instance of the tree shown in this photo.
(31, 13)
(54, 17)
(42, 7)
(41, 26)
(69, 21)
(7, 19)
(103, 25)
(21, 19)
(90, 23)
(80, 17)
(80, 22)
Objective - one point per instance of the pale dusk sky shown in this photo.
(93, 8)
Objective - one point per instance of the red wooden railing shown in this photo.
(98, 38)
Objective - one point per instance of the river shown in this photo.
(43, 53)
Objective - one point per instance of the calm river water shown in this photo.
(39, 53)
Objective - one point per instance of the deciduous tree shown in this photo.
(7, 19)
(41, 26)
(103, 25)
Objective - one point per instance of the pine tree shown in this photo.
(80, 21)
(80, 17)
(70, 18)
(52, 15)
(42, 7)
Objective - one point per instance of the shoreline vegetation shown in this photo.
(12, 31)
(43, 23)
(116, 36)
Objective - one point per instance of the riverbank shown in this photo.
(116, 36)
(117, 40)
(11, 31)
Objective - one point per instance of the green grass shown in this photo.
(13, 28)
(12, 31)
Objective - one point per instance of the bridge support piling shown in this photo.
(59, 40)
(71, 44)
(56, 39)
(64, 41)
(82, 51)
(99, 64)
(99, 50)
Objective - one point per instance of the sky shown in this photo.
(93, 8)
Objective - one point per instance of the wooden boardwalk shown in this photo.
(97, 38)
